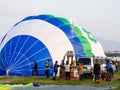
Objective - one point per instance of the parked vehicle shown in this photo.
(88, 64)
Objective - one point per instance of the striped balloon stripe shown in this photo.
(77, 44)
(41, 17)
(85, 43)
(82, 42)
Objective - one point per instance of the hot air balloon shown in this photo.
(42, 37)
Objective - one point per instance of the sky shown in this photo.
(100, 17)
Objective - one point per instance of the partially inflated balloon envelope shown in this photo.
(42, 37)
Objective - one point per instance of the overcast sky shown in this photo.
(100, 17)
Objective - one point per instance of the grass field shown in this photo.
(49, 81)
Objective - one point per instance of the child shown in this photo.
(103, 75)
(76, 75)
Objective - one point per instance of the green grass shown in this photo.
(49, 81)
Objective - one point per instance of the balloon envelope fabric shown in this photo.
(42, 37)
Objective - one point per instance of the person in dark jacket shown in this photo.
(96, 71)
(35, 69)
(55, 69)
(47, 68)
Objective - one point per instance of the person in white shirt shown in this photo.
(67, 70)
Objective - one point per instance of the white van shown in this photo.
(88, 63)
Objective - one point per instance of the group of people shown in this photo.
(75, 70)
(47, 68)
(102, 75)
(67, 71)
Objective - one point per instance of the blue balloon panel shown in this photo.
(18, 56)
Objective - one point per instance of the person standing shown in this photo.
(96, 71)
(72, 69)
(80, 71)
(67, 70)
(47, 68)
(35, 69)
(109, 70)
(55, 69)
(62, 70)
